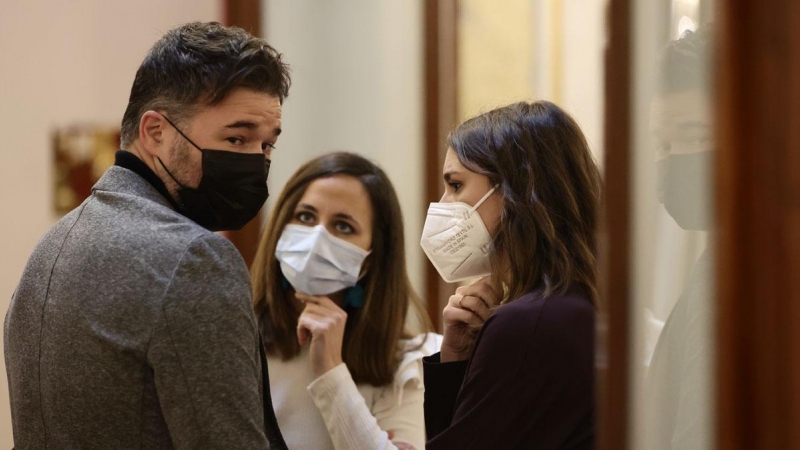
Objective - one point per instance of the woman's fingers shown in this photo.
(318, 321)
(484, 292)
(318, 317)
(310, 325)
(488, 283)
(303, 332)
(316, 300)
(321, 324)
(399, 445)
(475, 305)
(481, 290)
(472, 304)
(454, 314)
(325, 313)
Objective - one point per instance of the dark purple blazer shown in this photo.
(529, 383)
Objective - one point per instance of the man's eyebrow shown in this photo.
(243, 124)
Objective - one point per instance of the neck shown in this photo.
(155, 166)
(146, 158)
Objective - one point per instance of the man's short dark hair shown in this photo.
(686, 63)
(197, 65)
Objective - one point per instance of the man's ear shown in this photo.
(153, 133)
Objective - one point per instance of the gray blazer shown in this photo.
(132, 328)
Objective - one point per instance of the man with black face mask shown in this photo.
(132, 325)
(679, 383)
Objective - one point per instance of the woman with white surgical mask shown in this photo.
(517, 219)
(332, 298)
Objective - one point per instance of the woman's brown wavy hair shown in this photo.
(373, 332)
(551, 189)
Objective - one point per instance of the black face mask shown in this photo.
(684, 187)
(232, 190)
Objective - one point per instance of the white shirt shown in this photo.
(332, 412)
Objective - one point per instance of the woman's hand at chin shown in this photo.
(465, 313)
(322, 324)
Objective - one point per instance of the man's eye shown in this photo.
(267, 145)
(344, 227)
(235, 140)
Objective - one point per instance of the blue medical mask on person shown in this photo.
(232, 190)
(316, 262)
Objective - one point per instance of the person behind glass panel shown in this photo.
(678, 389)
(332, 296)
(516, 367)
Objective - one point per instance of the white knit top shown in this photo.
(332, 412)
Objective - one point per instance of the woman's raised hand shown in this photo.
(465, 313)
(322, 323)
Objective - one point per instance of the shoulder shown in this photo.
(132, 205)
(534, 310)
(210, 261)
(552, 337)
(185, 249)
(209, 284)
(128, 215)
(212, 248)
(534, 317)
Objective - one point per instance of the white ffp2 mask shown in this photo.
(317, 263)
(456, 240)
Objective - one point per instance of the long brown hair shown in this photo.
(551, 187)
(373, 332)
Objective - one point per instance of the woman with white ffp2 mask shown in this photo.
(516, 366)
(455, 238)
(332, 296)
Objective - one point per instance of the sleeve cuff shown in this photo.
(442, 384)
(329, 381)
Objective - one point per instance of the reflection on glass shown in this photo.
(677, 365)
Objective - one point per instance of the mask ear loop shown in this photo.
(486, 248)
(483, 199)
(170, 173)
(181, 133)
(185, 137)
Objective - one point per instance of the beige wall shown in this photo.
(534, 50)
(63, 62)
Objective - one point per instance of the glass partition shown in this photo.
(673, 238)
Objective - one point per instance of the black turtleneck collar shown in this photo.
(131, 162)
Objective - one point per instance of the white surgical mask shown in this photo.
(317, 263)
(456, 240)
